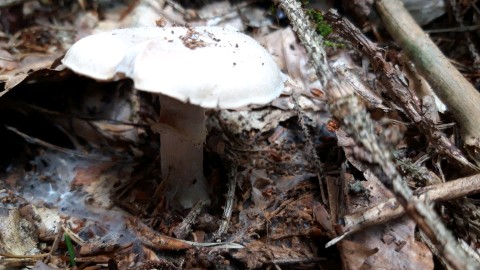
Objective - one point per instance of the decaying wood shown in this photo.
(352, 114)
(449, 84)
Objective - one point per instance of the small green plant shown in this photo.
(71, 251)
(322, 27)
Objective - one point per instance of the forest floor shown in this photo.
(290, 186)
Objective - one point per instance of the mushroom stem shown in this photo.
(182, 136)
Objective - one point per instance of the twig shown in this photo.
(352, 114)
(454, 29)
(316, 160)
(307, 35)
(155, 240)
(391, 209)
(454, 90)
(297, 261)
(74, 236)
(471, 47)
(434, 249)
(227, 211)
(33, 140)
(396, 87)
(13, 256)
(55, 244)
(359, 125)
(360, 86)
(184, 228)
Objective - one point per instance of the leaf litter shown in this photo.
(87, 162)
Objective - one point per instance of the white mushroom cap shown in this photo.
(207, 66)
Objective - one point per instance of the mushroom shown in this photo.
(192, 69)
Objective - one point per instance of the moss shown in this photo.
(323, 28)
(330, 43)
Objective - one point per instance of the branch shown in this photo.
(396, 88)
(461, 98)
(347, 109)
(391, 209)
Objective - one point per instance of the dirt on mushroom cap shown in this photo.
(206, 66)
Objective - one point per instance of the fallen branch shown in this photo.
(391, 209)
(396, 88)
(448, 83)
